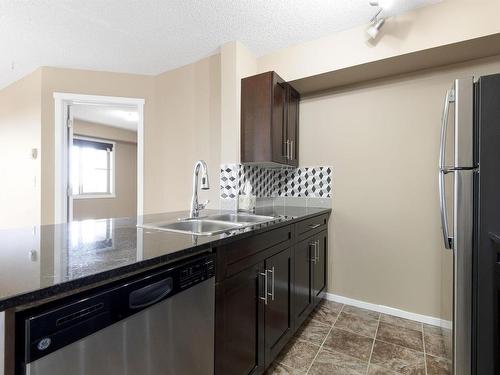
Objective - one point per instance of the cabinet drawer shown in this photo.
(241, 254)
(311, 226)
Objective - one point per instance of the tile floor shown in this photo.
(346, 340)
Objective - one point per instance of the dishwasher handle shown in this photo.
(150, 294)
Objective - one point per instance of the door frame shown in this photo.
(61, 158)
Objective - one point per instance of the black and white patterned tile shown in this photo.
(306, 182)
(309, 182)
(229, 180)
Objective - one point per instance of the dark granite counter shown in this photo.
(41, 262)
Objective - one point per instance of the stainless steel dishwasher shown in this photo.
(158, 323)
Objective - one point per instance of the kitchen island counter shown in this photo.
(50, 261)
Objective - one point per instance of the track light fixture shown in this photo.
(376, 22)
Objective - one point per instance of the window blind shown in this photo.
(85, 143)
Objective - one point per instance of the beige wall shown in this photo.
(382, 140)
(444, 23)
(237, 62)
(181, 125)
(20, 105)
(187, 129)
(385, 232)
(92, 83)
(124, 204)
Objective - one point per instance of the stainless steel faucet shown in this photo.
(205, 185)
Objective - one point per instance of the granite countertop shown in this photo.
(41, 262)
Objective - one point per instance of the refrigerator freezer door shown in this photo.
(464, 120)
(456, 163)
(457, 131)
(447, 237)
(444, 160)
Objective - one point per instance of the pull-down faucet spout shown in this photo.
(205, 185)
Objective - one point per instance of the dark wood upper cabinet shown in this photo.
(269, 120)
(293, 99)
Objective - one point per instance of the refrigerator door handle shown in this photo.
(448, 241)
(449, 98)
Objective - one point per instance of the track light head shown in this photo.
(376, 23)
(375, 27)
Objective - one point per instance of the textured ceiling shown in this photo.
(117, 117)
(152, 36)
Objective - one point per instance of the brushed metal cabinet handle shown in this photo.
(314, 226)
(265, 287)
(272, 283)
(287, 149)
(313, 255)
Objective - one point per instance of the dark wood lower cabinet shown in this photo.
(240, 324)
(265, 297)
(310, 275)
(319, 265)
(302, 290)
(278, 318)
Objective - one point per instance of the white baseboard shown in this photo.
(390, 310)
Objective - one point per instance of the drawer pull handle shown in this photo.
(314, 226)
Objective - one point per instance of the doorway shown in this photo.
(99, 157)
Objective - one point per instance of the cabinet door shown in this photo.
(240, 324)
(320, 264)
(278, 309)
(293, 99)
(278, 129)
(302, 288)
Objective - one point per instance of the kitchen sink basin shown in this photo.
(210, 225)
(242, 218)
(194, 226)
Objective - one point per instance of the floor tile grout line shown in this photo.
(399, 326)
(379, 320)
(322, 343)
(355, 333)
(319, 322)
(425, 354)
(401, 346)
(373, 345)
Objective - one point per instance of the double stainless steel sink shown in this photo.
(212, 224)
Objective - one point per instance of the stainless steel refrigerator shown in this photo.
(469, 191)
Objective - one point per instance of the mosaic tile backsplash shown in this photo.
(307, 182)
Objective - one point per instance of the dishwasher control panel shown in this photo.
(196, 273)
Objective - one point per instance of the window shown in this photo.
(92, 168)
